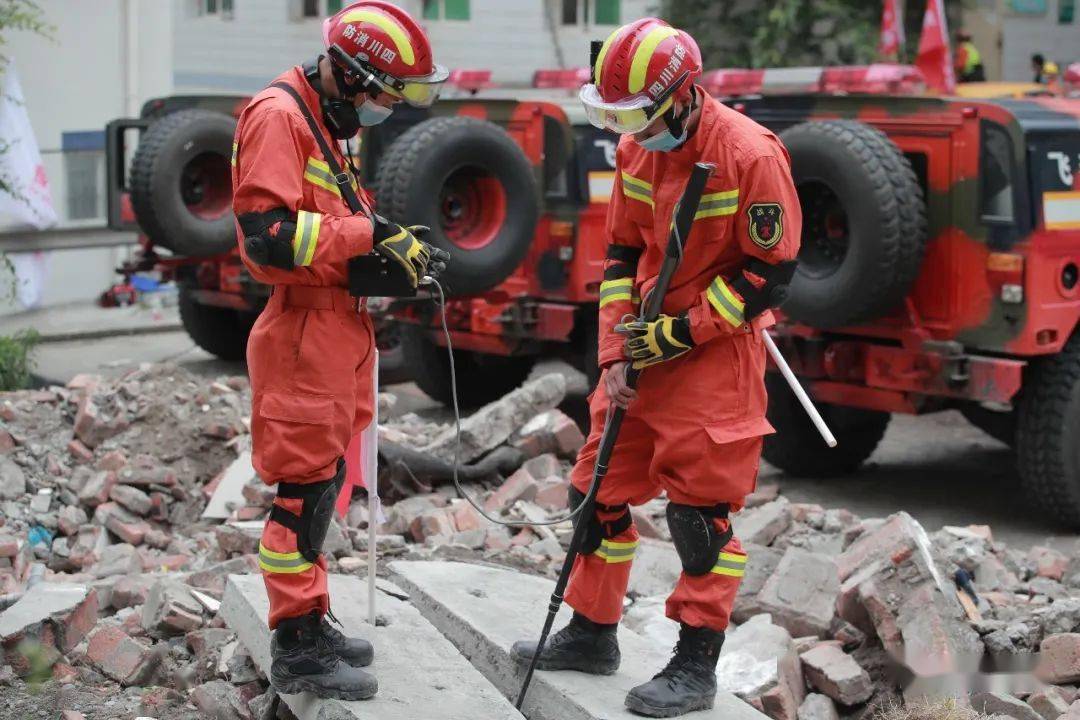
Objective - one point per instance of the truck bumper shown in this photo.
(898, 379)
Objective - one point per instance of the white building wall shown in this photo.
(93, 71)
(1024, 36)
(512, 38)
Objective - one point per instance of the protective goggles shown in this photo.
(418, 91)
(631, 115)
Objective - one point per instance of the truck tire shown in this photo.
(472, 185)
(480, 378)
(219, 331)
(1048, 435)
(864, 223)
(181, 183)
(797, 448)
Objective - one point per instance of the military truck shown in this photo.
(939, 261)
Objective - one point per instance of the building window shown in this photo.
(1066, 11)
(457, 9)
(569, 12)
(446, 9)
(333, 7)
(84, 172)
(210, 7)
(227, 9)
(607, 12)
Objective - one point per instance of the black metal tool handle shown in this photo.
(680, 228)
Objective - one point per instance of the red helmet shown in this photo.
(639, 71)
(377, 42)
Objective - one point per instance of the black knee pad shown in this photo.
(317, 510)
(695, 537)
(598, 530)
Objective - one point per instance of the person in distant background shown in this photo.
(967, 61)
(1037, 62)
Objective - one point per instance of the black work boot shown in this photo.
(354, 651)
(305, 660)
(689, 680)
(581, 645)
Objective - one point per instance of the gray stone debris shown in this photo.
(801, 594)
(492, 424)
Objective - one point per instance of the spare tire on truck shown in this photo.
(181, 183)
(472, 185)
(864, 223)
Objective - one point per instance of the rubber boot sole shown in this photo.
(582, 665)
(639, 706)
(297, 685)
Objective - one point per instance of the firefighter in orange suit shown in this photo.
(311, 351)
(694, 426)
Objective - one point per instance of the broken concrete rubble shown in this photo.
(833, 672)
(801, 593)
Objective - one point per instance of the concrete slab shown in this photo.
(483, 610)
(420, 673)
(229, 494)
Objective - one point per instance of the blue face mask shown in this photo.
(663, 141)
(372, 113)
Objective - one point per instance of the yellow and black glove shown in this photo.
(649, 343)
(401, 245)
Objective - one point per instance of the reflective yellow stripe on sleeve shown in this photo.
(616, 552)
(306, 237)
(613, 290)
(318, 173)
(730, 564)
(235, 151)
(287, 563)
(637, 189)
(721, 203)
(725, 302)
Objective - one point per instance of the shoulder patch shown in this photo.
(766, 223)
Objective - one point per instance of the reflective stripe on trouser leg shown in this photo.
(294, 585)
(598, 581)
(706, 600)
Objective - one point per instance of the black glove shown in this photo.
(401, 245)
(649, 343)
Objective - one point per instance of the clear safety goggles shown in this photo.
(420, 92)
(631, 115)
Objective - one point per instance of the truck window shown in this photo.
(996, 174)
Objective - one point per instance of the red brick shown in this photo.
(568, 437)
(7, 442)
(1059, 659)
(113, 461)
(497, 538)
(9, 546)
(552, 494)
(519, 486)
(131, 498)
(465, 516)
(431, 523)
(1049, 563)
(64, 674)
(83, 381)
(116, 654)
(80, 452)
(97, 488)
(646, 526)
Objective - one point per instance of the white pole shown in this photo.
(796, 388)
(370, 444)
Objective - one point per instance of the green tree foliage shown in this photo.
(20, 15)
(786, 33)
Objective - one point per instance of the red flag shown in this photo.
(892, 32)
(935, 59)
(354, 474)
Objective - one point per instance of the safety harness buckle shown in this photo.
(342, 178)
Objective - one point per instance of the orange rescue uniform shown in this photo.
(695, 430)
(311, 350)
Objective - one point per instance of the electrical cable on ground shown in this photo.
(441, 303)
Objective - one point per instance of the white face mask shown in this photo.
(372, 113)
